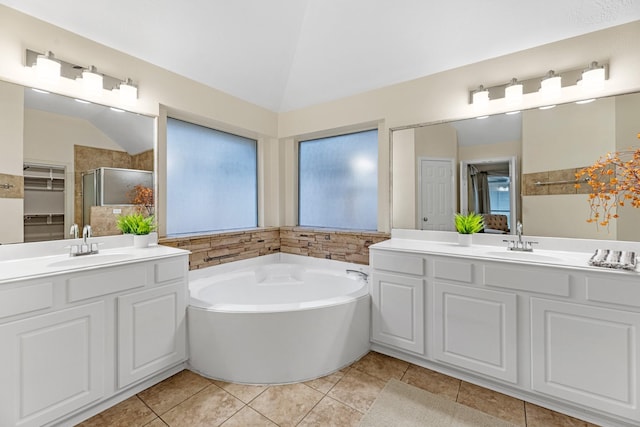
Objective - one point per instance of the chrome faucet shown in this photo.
(86, 233)
(73, 231)
(362, 274)
(519, 245)
(84, 248)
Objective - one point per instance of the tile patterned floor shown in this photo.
(340, 399)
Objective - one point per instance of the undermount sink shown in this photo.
(86, 260)
(524, 256)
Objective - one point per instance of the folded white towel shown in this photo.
(625, 260)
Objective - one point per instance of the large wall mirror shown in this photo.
(65, 138)
(520, 165)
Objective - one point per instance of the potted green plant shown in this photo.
(138, 225)
(467, 225)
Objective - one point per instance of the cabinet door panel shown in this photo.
(151, 332)
(51, 365)
(398, 312)
(476, 329)
(587, 355)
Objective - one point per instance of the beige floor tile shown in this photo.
(173, 391)
(324, 384)
(286, 405)
(156, 423)
(331, 413)
(357, 390)
(244, 392)
(246, 417)
(128, 413)
(538, 416)
(432, 381)
(210, 407)
(381, 366)
(493, 403)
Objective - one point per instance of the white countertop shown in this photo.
(556, 258)
(41, 266)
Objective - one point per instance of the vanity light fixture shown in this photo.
(480, 97)
(593, 77)
(92, 81)
(128, 92)
(47, 67)
(513, 92)
(551, 85)
(51, 68)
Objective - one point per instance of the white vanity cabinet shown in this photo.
(587, 354)
(398, 299)
(565, 336)
(52, 364)
(74, 339)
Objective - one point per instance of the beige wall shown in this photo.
(491, 151)
(404, 178)
(627, 131)
(555, 146)
(11, 123)
(442, 96)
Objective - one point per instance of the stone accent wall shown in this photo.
(219, 248)
(143, 161)
(531, 188)
(225, 247)
(339, 245)
(11, 186)
(103, 220)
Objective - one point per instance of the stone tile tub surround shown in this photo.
(220, 248)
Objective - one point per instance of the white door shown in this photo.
(436, 195)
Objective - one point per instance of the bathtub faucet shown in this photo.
(362, 274)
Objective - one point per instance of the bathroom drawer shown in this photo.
(399, 263)
(614, 290)
(538, 280)
(170, 270)
(453, 270)
(26, 298)
(106, 282)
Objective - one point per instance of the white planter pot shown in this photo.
(140, 240)
(465, 239)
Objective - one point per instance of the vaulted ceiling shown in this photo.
(289, 54)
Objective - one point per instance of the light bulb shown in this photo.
(92, 81)
(47, 68)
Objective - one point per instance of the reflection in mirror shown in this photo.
(65, 138)
(548, 147)
(490, 187)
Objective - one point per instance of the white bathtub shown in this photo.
(277, 319)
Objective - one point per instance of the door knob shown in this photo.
(425, 219)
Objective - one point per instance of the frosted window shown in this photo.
(211, 179)
(338, 181)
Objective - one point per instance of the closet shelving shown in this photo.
(44, 201)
